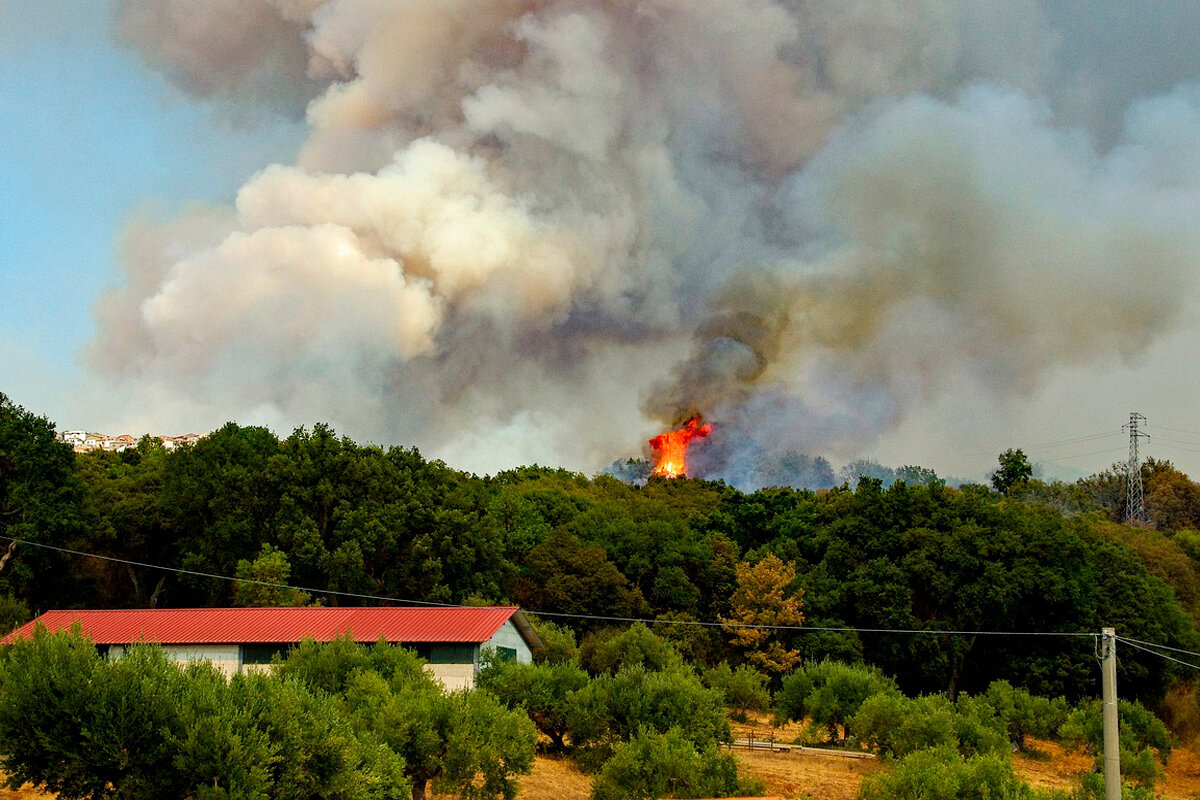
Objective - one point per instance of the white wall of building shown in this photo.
(508, 636)
(225, 657)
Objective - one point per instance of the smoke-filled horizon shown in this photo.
(543, 230)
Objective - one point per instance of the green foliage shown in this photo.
(669, 764)
(573, 577)
(830, 693)
(1145, 742)
(260, 579)
(325, 513)
(897, 725)
(67, 725)
(14, 613)
(40, 500)
(942, 773)
(612, 708)
(1092, 788)
(745, 688)
(543, 691)
(558, 642)
(609, 650)
(1024, 714)
(466, 743)
(1014, 470)
(143, 727)
(329, 666)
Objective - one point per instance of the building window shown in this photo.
(506, 654)
(262, 653)
(452, 654)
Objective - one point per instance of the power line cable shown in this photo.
(1187, 447)
(1052, 444)
(1173, 430)
(1160, 655)
(1085, 455)
(594, 617)
(1162, 646)
(1076, 440)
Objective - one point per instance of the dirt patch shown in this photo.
(792, 775)
(1051, 766)
(24, 793)
(555, 779)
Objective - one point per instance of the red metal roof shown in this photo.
(251, 625)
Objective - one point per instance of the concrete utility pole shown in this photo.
(1112, 745)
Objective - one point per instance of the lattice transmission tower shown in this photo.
(1135, 508)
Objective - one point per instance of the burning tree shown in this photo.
(670, 448)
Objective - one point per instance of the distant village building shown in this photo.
(84, 442)
(247, 639)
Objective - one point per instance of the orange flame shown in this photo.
(670, 448)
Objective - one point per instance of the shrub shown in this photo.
(668, 764)
(1024, 714)
(830, 693)
(942, 773)
(745, 688)
(1145, 741)
(897, 726)
(613, 708)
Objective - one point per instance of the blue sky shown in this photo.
(91, 137)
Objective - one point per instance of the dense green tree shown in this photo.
(141, 726)
(263, 582)
(127, 517)
(1014, 470)
(611, 649)
(897, 726)
(567, 576)
(830, 693)
(543, 691)
(558, 642)
(1025, 714)
(612, 708)
(224, 498)
(448, 740)
(77, 725)
(40, 500)
(14, 612)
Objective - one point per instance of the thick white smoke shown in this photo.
(540, 230)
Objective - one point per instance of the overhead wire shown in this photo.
(1160, 655)
(1161, 646)
(1173, 430)
(540, 613)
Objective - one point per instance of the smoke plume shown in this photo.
(543, 230)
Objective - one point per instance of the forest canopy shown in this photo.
(346, 523)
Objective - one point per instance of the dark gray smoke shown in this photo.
(544, 230)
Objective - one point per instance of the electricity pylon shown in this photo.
(1135, 509)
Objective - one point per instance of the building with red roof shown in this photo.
(450, 639)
